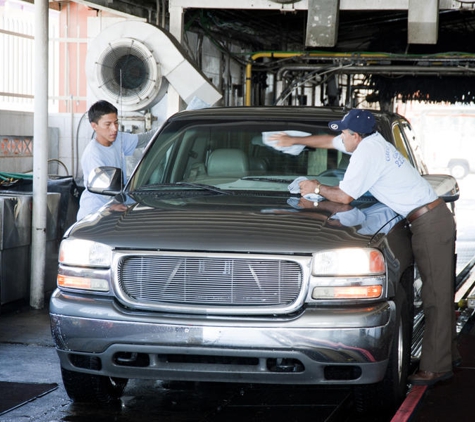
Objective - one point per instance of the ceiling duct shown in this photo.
(131, 64)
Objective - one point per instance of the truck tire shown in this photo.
(385, 397)
(458, 168)
(92, 388)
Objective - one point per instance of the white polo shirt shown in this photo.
(378, 167)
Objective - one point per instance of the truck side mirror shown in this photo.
(105, 181)
(445, 186)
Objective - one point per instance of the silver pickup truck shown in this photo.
(207, 267)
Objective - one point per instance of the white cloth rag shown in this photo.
(293, 150)
(295, 188)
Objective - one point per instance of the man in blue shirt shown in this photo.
(108, 147)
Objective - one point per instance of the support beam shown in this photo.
(322, 23)
(40, 158)
(423, 22)
(176, 29)
(304, 4)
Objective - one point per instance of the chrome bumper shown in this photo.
(303, 349)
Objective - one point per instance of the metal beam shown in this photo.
(40, 158)
(303, 4)
(176, 29)
(423, 22)
(322, 23)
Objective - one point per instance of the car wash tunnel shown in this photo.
(197, 223)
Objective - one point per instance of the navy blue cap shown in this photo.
(359, 121)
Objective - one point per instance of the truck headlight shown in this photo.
(84, 265)
(349, 261)
(84, 253)
(352, 273)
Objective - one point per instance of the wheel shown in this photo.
(92, 388)
(384, 398)
(458, 169)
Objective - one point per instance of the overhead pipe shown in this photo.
(374, 70)
(359, 69)
(283, 55)
(392, 70)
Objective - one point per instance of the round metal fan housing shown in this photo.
(126, 73)
(131, 64)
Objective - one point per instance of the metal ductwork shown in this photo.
(131, 64)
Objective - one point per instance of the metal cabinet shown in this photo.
(15, 244)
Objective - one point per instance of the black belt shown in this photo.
(414, 215)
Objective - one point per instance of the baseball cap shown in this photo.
(359, 121)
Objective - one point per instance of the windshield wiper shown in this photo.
(268, 179)
(185, 184)
(205, 187)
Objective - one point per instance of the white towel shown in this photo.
(293, 150)
(295, 188)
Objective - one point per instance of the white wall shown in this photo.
(71, 132)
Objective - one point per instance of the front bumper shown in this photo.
(319, 346)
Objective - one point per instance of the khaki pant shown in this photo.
(433, 244)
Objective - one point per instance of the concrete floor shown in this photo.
(27, 355)
(450, 400)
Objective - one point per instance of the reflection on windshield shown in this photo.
(234, 156)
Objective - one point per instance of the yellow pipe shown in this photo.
(258, 56)
(282, 55)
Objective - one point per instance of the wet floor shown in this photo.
(151, 400)
(27, 355)
(180, 402)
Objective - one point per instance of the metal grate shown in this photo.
(210, 280)
(16, 146)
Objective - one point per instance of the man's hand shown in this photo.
(283, 140)
(332, 193)
(312, 141)
(118, 207)
(308, 186)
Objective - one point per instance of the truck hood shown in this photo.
(244, 222)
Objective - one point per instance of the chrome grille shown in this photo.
(208, 281)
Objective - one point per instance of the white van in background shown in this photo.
(447, 139)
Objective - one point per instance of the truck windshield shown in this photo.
(235, 155)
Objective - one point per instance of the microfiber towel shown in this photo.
(295, 188)
(293, 150)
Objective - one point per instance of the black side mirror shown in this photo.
(105, 181)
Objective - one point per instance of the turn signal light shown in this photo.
(83, 283)
(347, 292)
